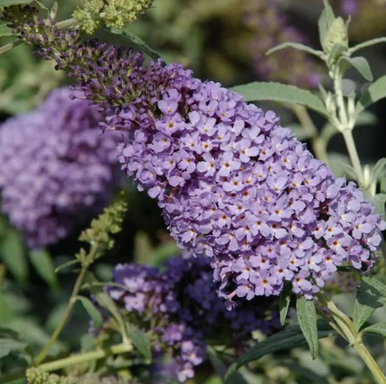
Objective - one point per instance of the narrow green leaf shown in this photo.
(284, 302)
(375, 92)
(378, 169)
(361, 65)
(324, 23)
(140, 341)
(91, 310)
(4, 30)
(5, 48)
(66, 265)
(299, 47)
(308, 323)
(10, 345)
(281, 93)
(336, 51)
(290, 337)
(379, 329)
(371, 294)
(379, 201)
(366, 44)
(44, 266)
(137, 42)
(6, 3)
(13, 255)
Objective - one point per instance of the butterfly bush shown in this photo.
(233, 184)
(269, 28)
(53, 165)
(181, 307)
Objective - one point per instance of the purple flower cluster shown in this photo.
(54, 166)
(233, 184)
(236, 186)
(269, 28)
(181, 307)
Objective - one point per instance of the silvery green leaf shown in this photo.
(375, 92)
(324, 23)
(366, 44)
(360, 64)
(299, 47)
(281, 93)
(308, 323)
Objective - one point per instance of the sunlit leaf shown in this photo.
(91, 310)
(258, 91)
(374, 93)
(308, 323)
(379, 329)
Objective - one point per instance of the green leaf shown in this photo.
(66, 265)
(299, 47)
(163, 252)
(290, 337)
(379, 329)
(13, 255)
(137, 42)
(140, 341)
(308, 323)
(375, 92)
(5, 48)
(336, 50)
(300, 132)
(6, 3)
(324, 23)
(379, 201)
(366, 44)
(44, 266)
(4, 30)
(378, 169)
(284, 302)
(361, 65)
(371, 294)
(91, 310)
(281, 93)
(10, 345)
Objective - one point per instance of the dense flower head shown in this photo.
(233, 184)
(181, 306)
(53, 166)
(270, 27)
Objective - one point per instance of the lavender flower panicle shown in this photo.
(181, 307)
(233, 184)
(53, 165)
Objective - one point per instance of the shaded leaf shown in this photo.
(324, 23)
(361, 65)
(282, 93)
(44, 266)
(10, 345)
(91, 310)
(366, 44)
(299, 47)
(308, 323)
(371, 294)
(66, 265)
(13, 255)
(6, 3)
(375, 92)
(137, 42)
(140, 341)
(284, 302)
(379, 329)
(379, 168)
(4, 30)
(289, 338)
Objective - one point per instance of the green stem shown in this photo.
(348, 332)
(345, 124)
(353, 153)
(85, 357)
(43, 354)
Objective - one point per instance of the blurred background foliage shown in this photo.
(222, 40)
